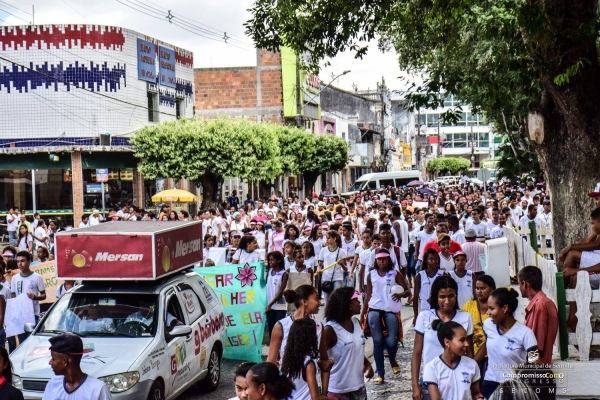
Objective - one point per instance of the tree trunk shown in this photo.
(309, 182)
(569, 152)
(210, 184)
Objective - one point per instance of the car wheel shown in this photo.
(157, 392)
(211, 381)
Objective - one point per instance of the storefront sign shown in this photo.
(146, 60)
(242, 291)
(101, 174)
(166, 59)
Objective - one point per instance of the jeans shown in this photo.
(418, 266)
(410, 258)
(379, 341)
(272, 317)
(424, 390)
(488, 387)
(12, 238)
(336, 285)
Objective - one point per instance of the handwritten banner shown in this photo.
(242, 291)
(19, 311)
(47, 270)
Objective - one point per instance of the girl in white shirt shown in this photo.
(240, 380)
(508, 342)
(310, 258)
(452, 375)
(246, 251)
(333, 254)
(299, 360)
(266, 382)
(427, 346)
(25, 241)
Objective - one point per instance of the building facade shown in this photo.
(73, 96)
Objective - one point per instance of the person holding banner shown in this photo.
(277, 278)
(245, 252)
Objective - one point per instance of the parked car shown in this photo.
(149, 339)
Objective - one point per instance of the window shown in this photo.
(372, 185)
(386, 182)
(180, 108)
(191, 303)
(152, 107)
(173, 310)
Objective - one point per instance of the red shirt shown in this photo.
(454, 246)
(541, 317)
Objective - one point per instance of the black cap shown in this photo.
(68, 343)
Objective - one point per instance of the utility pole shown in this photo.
(298, 105)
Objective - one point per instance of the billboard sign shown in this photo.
(146, 58)
(166, 59)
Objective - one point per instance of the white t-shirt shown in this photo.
(5, 291)
(24, 242)
(481, 229)
(507, 351)
(446, 264)
(329, 257)
(453, 383)
(40, 233)
(497, 232)
(465, 287)
(458, 236)
(90, 388)
(311, 262)
(423, 237)
(12, 225)
(33, 283)
(244, 257)
(431, 345)
(214, 226)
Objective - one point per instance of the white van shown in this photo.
(377, 180)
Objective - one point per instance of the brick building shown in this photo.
(255, 93)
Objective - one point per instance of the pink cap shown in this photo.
(382, 255)
(356, 295)
(459, 253)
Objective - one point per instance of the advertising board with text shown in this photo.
(115, 251)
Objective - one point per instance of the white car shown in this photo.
(135, 352)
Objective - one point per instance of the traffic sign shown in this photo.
(102, 175)
(483, 174)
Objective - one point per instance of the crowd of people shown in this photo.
(359, 257)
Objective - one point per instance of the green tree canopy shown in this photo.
(331, 155)
(532, 67)
(454, 165)
(298, 149)
(208, 150)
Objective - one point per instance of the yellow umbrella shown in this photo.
(174, 195)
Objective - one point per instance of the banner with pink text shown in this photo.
(242, 291)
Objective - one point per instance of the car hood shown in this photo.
(109, 356)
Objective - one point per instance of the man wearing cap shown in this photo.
(9, 253)
(473, 249)
(320, 208)
(66, 351)
(596, 194)
(95, 218)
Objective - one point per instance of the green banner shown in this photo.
(243, 293)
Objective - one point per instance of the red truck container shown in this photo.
(144, 250)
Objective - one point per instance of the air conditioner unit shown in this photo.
(105, 139)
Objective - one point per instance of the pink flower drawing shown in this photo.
(246, 275)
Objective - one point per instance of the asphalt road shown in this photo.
(225, 390)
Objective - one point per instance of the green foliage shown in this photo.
(190, 148)
(454, 165)
(331, 154)
(570, 72)
(297, 149)
(513, 168)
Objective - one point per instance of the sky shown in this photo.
(210, 18)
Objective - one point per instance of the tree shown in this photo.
(454, 165)
(331, 155)
(514, 168)
(297, 149)
(206, 151)
(532, 67)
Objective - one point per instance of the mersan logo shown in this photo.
(84, 258)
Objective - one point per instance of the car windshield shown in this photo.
(357, 187)
(103, 314)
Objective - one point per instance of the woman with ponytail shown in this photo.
(306, 300)
(452, 375)
(265, 382)
(508, 342)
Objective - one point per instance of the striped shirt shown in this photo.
(473, 250)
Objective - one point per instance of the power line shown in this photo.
(72, 8)
(200, 23)
(16, 8)
(9, 13)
